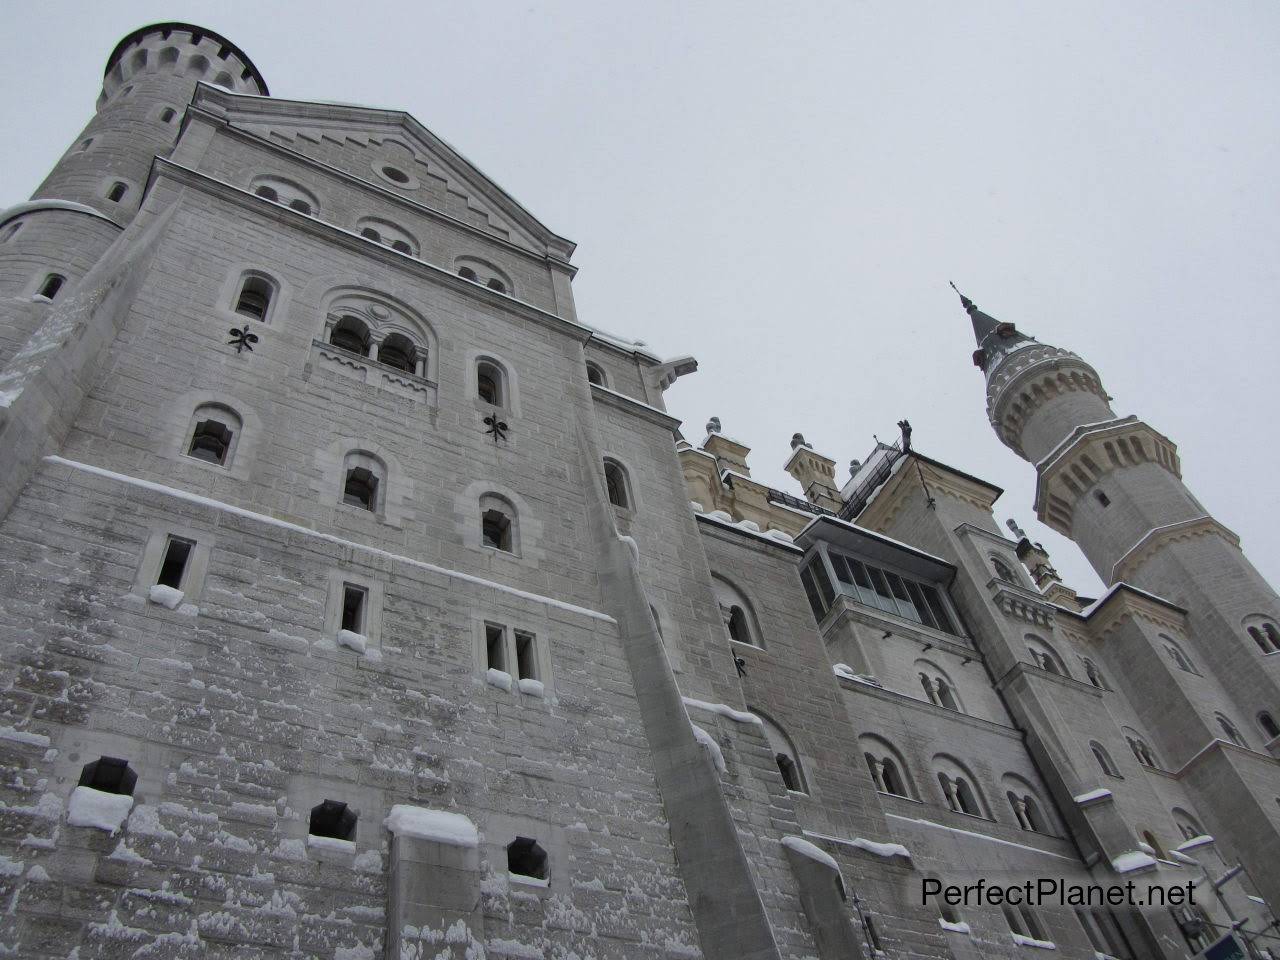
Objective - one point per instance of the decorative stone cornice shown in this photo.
(1141, 551)
(1090, 453)
(1019, 603)
(1026, 378)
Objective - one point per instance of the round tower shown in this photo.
(93, 192)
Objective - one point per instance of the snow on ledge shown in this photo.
(960, 927)
(528, 880)
(713, 748)
(498, 678)
(532, 687)
(97, 808)
(810, 850)
(724, 710)
(441, 826)
(331, 848)
(167, 597)
(355, 641)
(1133, 860)
(881, 849)
(1194, 842)
(845, 672)
(1092, 795)
(1022, 941)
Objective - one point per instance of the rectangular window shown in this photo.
(884, 599)
(937, 609)
(905, 607)
(811, 591)
(174, 565)
(495, 645)
(842, 569)
(901, 596)
(353, 599)
(527, 656)
(922, 608)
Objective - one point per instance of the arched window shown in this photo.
(285, 192)
(351, 333)
(888, 769)
(10, 231)
(197, 66)
(1104, 759)
(1177, 656)
(497, 523)
(213, 433)
(784, 754)
(255, 296)
(1188, 825)
(398, 351)
(937, 686)
(615, 481)
(466, 273)
(223, 79)
(1094, 674)
(959, 788)
(484, 273)
(1268, 724)
(1157, 850)
(1045, 657)
(388, 234)
(1264, 634)
(736, 612)
(117, 191)
(52, 284)
(496, 284)
(167, 115)
(362, 479)
(1140, 749)
(1026, 811)
(1230, 731)
(490, 382)
(371, 234)
(1024, 922)
(1002, 570)
(168, 56)
(595, 374)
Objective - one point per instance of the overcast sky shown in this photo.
(784, 190)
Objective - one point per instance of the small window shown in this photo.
(210, 442)
(1102, 498)
(10, 231)
(117, 192)
(401, 246)
(1266, 636)
(83, 145)
(300, 205)
(351, 334)
(1002, 571)
(873, 936)
(1153, 842)
(267, 193)
(595, 374)
(496, 284)
(495, 529)
(892, 779)
(1230, 731)
(52, 284)
(526, 656)
(466, 273)
(790, 775)
(255, 297)
(334, 819)
(353, 604)
(361, 488)
(109, 775)
(489, 383)
(395, 174)
(371, 234)
(1181, 659)
(739, 629)
(525, 858)
(1268, 725)
(173, 566)
(615, 480)
(167, 115)
(495, 647)
(1094, 674)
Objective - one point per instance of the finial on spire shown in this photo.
(964, 301)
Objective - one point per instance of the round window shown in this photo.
(394, 173)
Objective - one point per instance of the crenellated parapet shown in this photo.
(1031, 377)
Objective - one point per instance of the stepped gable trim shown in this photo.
(267, 108)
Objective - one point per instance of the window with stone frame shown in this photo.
(213, 434)
(499, 527)
(363, 478)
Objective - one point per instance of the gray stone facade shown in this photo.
(415, 645)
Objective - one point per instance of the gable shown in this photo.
(363, 142)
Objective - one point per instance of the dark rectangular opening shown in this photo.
(353, 608)
(495, 643)
(174, 565)
(527, 656)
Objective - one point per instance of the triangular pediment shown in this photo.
(361, 140)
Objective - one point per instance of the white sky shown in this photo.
(785, 190)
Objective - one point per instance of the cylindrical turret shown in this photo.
(93, 192)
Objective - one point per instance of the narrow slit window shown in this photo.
(353, 601)
(117, 192)
(527, 656)
(173, 566)
(52, 284)
(495, 647)
(1102, 498)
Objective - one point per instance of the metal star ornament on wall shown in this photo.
(242, 339)
(496, 428)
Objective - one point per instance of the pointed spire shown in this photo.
(994, 337)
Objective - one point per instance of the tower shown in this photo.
(1113, 484)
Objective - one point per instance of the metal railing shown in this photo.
(859, 496)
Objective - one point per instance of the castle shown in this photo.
(358, 600)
